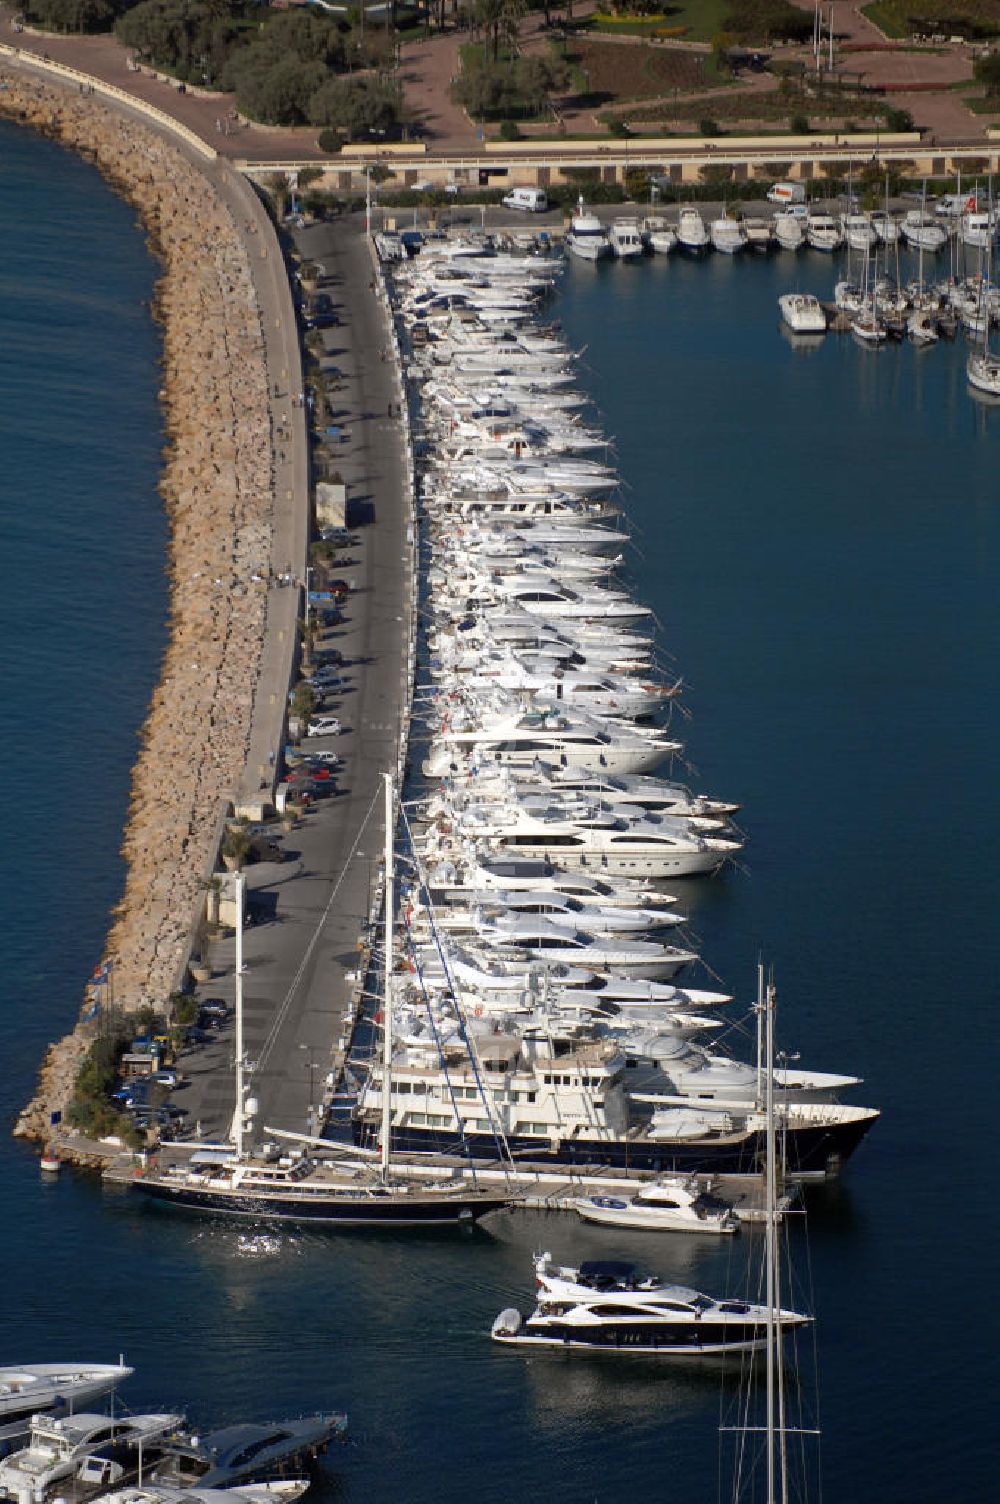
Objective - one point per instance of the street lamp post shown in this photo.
(311, 1067)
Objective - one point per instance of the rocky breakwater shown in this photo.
(218, 487)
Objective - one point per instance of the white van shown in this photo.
(786, 193)
(534, 200)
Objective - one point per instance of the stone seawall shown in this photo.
(218, 489)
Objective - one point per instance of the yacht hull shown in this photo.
(416, 1211)
(815, 1151)
(654, 1342)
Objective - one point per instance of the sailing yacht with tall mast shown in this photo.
(775, 1427)
(982, 368)
(301, 1186)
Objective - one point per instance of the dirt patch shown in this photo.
(617, 71)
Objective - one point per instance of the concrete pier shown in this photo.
(303, 964)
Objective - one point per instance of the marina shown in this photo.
(824, 968)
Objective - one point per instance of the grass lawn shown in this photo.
(983, 104)
(970, 18)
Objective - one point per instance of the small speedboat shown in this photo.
(670, 1204)
(802, 313)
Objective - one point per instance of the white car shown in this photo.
(324, 725)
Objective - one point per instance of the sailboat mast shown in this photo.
(779, 1347)
(387, 998)
(240, 1053)
(770, 1242)
(760, 1036)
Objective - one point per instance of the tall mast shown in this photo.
(779, 1347)
(770, 1261)
(760, 1036)
(387, 999)
(240, 1054)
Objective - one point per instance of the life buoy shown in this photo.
(478, 1011)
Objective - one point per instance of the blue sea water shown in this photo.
(820, 537)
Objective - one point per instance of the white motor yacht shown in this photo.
(479, 908)
(592, 836)
(859, 232)
(658, 235)
(36, 1387)
(518, 740)
(613, 1307)
(727, 235)
(977, 229)
(789, 231)
(922, 231)
(97, 1448)
(802, 313)
(587, 237)
(885, 226)
(759, 235)
(823, 233)
(672, 1203)
(626, 241)
(691, 233)
(545, 940)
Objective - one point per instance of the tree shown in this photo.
(898, 120)
(799, 124)
(356, 106)
(765, 20)
(71, 15)
(277, 69)
(716, 173)
(986, 70)
(501, 20)
(189, 38)
(538, 77)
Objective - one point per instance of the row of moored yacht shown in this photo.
(57, 1449)
(794, 227)
(544, 1012)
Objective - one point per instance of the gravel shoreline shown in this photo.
(217, 485)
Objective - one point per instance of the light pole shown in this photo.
(311, 1067)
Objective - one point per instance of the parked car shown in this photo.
(320, 759)
(216, 1005)
(134, 1095)
(144, 1117)
(166, 1078)
(324, 725)
(196, 1035)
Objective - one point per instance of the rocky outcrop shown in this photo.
(218, 488)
